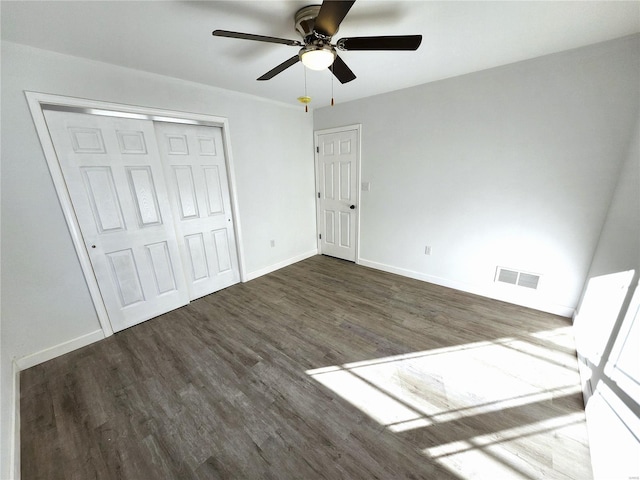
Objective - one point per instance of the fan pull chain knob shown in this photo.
(305, 100)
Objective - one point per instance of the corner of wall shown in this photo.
(277, 266)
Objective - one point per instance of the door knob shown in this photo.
(352, 207)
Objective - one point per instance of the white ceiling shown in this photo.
(174, 38)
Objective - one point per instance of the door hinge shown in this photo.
(320, 236)
(317, 149)
(318, 194)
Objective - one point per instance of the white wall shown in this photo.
(605, 302)
(513, 166)
(619, 243)
(45, 301)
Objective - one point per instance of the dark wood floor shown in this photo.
(323, 369)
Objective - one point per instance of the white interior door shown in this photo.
(337, 160)
(195, 166)
(116, 183)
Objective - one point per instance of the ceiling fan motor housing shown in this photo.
(305, 20)
(305, 24)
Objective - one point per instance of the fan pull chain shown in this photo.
(305, 99)
(332, 75)
(306, 105)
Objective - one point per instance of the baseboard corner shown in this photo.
(277, 266)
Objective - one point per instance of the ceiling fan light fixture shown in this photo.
(318, 58)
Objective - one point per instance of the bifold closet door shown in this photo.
(115, 179)
(195, 167)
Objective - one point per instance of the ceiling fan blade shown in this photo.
(280, 68)
(341, 71)
(258, 38)
(331, 14)
(396, 42)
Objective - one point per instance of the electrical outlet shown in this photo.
(273, 243)
(427, 250)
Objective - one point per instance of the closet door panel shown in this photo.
(195, 165)
(116, 182)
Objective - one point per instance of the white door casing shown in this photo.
(337, 167)
(113, 174)
(194, 161)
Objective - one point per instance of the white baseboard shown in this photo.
(277, 266)
(60, 349)
(30, 361)
(555, 309)
(14, 468)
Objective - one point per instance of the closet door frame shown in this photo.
(41, 101)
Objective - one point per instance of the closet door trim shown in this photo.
(42, 101)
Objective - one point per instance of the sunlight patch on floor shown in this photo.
(472, 405)
(499, 454)
(451, 383)
(563, 337)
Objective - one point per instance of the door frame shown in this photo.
(40, 101)
(316, 154)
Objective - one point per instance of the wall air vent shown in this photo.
(507, 276)
(515, 277)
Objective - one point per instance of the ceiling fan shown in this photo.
(317, 24)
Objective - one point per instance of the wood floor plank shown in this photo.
(323, 369)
